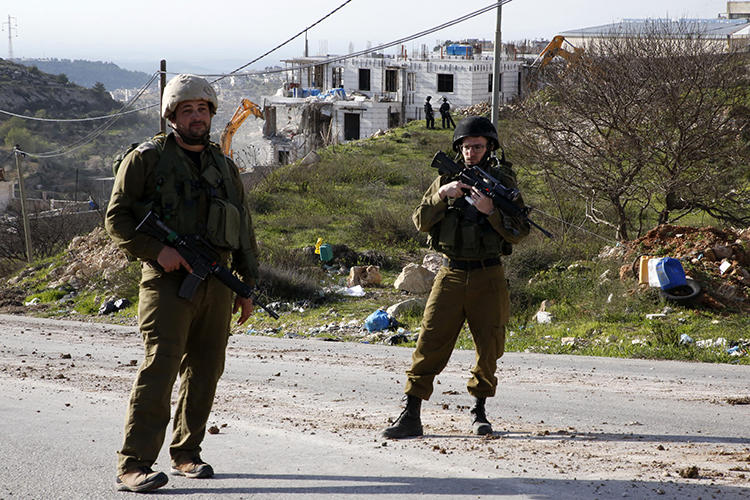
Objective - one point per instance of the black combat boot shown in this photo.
(480, 425)
(409, 423)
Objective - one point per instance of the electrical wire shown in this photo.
(93, 118)
(370, 50)
(89, 137)
(283, 43)
(96, 132)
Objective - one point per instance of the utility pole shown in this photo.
(11, 27)
(27, 234)
(162, 84)
(496, 80)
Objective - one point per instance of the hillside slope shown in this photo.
(88, 73)
(26, 90)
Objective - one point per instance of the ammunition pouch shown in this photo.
(224, 224)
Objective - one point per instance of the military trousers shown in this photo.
(180, 336)
(479, 296)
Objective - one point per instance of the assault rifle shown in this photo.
(203, 259)
(503, 197)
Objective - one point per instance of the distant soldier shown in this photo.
(185, 179)
(472, 235)
(428, 113)
(445, 114)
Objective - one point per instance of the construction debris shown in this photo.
(718, 259)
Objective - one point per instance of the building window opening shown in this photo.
(337, 78)
(391, 80)
(364, 79)
(444, 82)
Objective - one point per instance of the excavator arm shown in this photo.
(245, 109)
(555, 48)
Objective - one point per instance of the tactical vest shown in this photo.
(465, 233)
(192, 201)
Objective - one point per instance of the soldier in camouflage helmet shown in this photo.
(472, 235)
(191, 185)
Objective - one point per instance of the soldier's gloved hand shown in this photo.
(171, 260)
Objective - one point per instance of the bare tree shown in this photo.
(645, 127)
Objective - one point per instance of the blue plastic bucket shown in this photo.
(669, 273)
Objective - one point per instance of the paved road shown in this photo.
(300, 418)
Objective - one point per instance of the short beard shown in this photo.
(193, 140)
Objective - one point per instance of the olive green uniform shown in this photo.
(181, 336)
(469, 286)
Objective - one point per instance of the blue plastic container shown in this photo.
(669, 273)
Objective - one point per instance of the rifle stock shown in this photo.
(203, 259)
(503, 197)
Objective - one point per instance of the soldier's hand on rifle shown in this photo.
(245, 306)
(481, 202)
(453, 189)
(171, 260)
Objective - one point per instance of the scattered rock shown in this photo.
(433, 262)
(364, 276)
(544, 317)
(414, 279)
(409, 306)
(689, 472)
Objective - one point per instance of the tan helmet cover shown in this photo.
(187, 87)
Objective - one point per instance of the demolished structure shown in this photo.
(327, 100)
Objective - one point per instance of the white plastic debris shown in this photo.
(352, 291)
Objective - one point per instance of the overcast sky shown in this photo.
(222, 34)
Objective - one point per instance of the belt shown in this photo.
(468, 265)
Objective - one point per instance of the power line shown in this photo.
(285, 42)
(370, 50)
(86, 139)
(93, 118)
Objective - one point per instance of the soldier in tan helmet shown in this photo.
(191, 185)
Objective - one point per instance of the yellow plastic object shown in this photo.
(643, 269)
(317, 246)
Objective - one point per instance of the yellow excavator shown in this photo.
(245, 109)
(555, 48)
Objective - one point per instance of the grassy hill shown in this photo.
(359, 198)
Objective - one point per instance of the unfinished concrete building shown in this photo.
(331, 101)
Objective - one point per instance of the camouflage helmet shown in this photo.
(187, 87)
(475, 126)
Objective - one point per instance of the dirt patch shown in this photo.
(717, 259)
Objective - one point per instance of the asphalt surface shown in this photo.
(299, 418)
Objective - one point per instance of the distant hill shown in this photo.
(88, 73)
(28, 90)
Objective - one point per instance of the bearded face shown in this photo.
(192, 121)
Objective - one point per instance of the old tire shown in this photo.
(683, 293)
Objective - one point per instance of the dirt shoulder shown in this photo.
(564, 425)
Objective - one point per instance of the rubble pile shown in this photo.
(93, 256)
(718, 259)
(482, 108)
